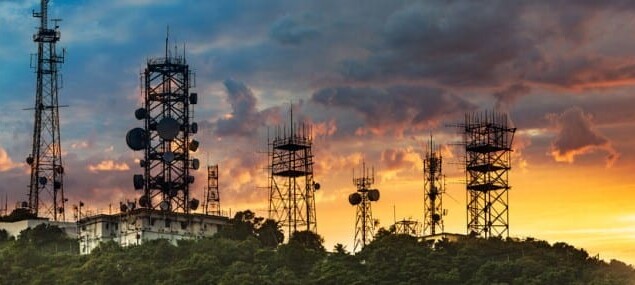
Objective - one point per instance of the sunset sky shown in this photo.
(375, 78)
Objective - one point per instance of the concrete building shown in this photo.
(140, 225)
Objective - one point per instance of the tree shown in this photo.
(270, 233)
(308, 240)
(242, 226)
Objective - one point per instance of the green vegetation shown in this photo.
(244, 254)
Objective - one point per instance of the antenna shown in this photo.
(166, 137)
(291, 184)
(167, 37)
(434, 189)
(212, 196)
(364, 225)
(46, 186)
(487, 140)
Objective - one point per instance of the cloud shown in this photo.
(507, 96)
(394, 109)
(244, 119)
(108, 165)
(5, 161)
(290, 30)
(577, 136)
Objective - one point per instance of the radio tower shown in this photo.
(364, 223)
(46, 187)
(212, 197)
(433, 191)
(291, 185)
(488, 142)
(166, 137)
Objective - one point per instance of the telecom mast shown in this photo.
(291, 185)
(364, 223)
(46, 187)
(488, 142)
(212, 197)
(166, 136)
(434, 189)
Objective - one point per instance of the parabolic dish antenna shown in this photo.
(136, 139)
(168, 156)
(164, 205)
(355, 198)
(168, 128)
(373, 195)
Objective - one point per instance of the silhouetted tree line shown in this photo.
(249, 251)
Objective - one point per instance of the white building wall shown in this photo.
(142, 226)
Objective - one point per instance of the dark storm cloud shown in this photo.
(577, 136)
(494, 43)
(509, 95)
(461, 43)
(245, 119)
(291, 31)
(396, 108)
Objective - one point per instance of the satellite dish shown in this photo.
(60, 169)
(144, 201)
(142, 163)
(196, 163)
(355, 198)
(136, 139)
(60, 210)
(123, 207)
(316, 186)
(168, 156)
(29, 160)
(138, 181)
(436, 217)
(193, 98)
(43, 180)
(173, 192)
(141, 113)
(164, 205)
(194, 204)
(168, 128)
(57, 185)
(190, 179)
(373, 195)
(194, 145)
(194, 128)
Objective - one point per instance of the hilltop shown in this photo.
(250, 253)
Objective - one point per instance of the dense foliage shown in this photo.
(41, 256)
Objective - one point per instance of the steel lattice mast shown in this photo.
(46, 187)
(291, 185)
(166, 136)
(212, 196)
(433, 191)
(488, 142)
(364, 222)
